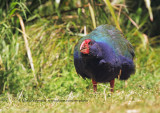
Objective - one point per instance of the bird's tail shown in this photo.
(128, 68)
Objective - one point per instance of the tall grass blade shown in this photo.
(92, 15)
(27, 46)
(107, 2)
(148, 5)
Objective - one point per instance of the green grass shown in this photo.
(142, 95)
(58, 79)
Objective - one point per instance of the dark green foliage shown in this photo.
(150, 28)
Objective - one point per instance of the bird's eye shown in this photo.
(90, 43)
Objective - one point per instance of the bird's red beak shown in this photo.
(84, 48)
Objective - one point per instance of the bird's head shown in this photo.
(91, 48)
(85, 46)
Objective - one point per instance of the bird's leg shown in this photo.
(94, 85)
(112, 85)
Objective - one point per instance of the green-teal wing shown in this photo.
(113, 37)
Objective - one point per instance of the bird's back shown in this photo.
(111, 36)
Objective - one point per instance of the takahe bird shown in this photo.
(104, 55)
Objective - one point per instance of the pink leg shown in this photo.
(112, 85)
(94, 85)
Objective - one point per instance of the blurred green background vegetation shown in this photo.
(37, 39)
